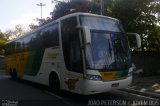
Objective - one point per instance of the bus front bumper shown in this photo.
(94, 87)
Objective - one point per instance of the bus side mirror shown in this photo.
(87, 35)
(134, 40)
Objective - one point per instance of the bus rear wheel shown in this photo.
(54, 84)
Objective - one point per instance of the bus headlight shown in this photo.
(93, 77)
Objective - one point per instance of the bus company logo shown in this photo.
(71, 83)
(52, 55)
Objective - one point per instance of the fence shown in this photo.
(148, 61)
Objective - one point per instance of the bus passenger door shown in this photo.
(72, 54)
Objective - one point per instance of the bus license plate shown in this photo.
(115, 84)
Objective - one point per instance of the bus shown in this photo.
(81, 53)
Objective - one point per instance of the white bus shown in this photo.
(81, 53)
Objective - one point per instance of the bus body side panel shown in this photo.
(16, 62)
(51, 62)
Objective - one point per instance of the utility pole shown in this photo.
(41, 5)
(102, 6)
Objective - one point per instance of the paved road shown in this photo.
(25, 93)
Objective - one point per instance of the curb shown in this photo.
(150, 94)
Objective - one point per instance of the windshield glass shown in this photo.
(109, 46)
(101, 23)
(108, 50)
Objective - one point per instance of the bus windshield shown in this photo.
(100, 23)
(109, 48)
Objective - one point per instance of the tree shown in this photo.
(41, 22)
(8, 34)
(139, 16)
(64, 8)
(2, 42)
(2, 36)
(20, 30)
(33, 26)
(2, 39)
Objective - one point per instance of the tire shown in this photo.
(54, 83)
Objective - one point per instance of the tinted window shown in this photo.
(19, 45)
(100, 23)
(36, 41)
(50, 36)
(26, 43)
(71, 45)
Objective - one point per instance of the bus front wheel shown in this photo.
(54, 83)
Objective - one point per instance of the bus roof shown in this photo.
(87, 14)
(62, 18)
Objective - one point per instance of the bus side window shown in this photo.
(26, 43)
(50, 36)
(36, 42)
(71, 45)
(19, 45)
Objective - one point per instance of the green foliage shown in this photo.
(2, 39)
(64, 8)
(2, 42)
(139, 16)
(20, 30)
(1, 35)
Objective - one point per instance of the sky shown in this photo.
(14, 12)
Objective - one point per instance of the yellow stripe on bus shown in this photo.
(109, 76)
